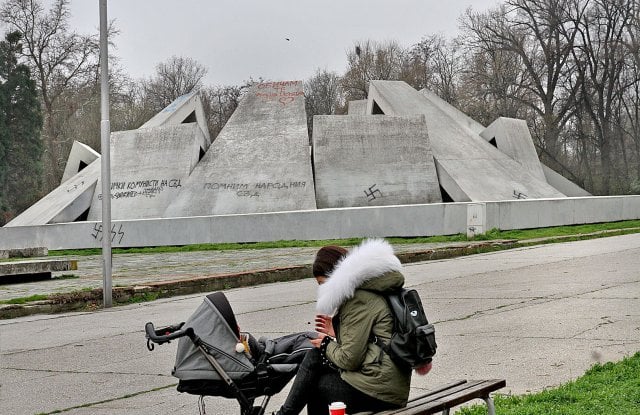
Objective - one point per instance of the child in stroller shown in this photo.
(215, 359)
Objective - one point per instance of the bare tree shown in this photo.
(631, 99)
(219, 104)
(175, 77)
(495, 81)
(62, 62)
(541, 34)
(603, 59)
(434, 63)
(322, 94)
(371, 60)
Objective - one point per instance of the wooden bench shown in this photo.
(443, 398)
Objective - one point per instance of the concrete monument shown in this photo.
(469, 168)
(258, 163)
(150, 165)
(382, 170)
(373, 161)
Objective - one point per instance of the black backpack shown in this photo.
(413, 342)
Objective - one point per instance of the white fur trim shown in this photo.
(372, 258)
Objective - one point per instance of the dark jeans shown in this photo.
(316, 386)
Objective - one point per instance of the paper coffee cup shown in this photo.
(337, 408)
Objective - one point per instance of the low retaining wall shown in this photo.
(385, 221)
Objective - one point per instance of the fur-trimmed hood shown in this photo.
(363, 264)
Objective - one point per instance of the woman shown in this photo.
(346, 365)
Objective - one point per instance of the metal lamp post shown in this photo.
(105, 133)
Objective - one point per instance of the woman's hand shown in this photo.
(324, 325)
(424, 369)
(318, 340)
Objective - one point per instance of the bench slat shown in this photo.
(431, 392)
(448, 398)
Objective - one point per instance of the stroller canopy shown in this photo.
(215, 324)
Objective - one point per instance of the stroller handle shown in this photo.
(164, 334)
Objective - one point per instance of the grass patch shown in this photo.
(612, 388)
(523, 234)
(142, 298)
(493, 234)
(252, 245)
(24, 300)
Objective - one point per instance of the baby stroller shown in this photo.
(215, 359)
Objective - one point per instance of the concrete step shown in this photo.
(24, 252)
(35, 269)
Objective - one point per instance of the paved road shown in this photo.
(536, 316)
(138, 269)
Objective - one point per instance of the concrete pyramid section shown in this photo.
(460, 117)
(67, 203)
(149, 166)
(80, 156)
(512, 137)
(563, 184)
(260, 161)
(184, 109)
(469, 168)
(556, 180)
(73, 199)
(373, 161)
(358, 107)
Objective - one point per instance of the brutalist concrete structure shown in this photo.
(80, 156)
(260, 161)
(512, 137)
(68, 202)
(402, 163)
(469, 168)
(76, 198)
(373, 161)
(184, 109)
(152, 163)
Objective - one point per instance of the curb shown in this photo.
(92, 300)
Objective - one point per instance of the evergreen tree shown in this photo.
(20, 125)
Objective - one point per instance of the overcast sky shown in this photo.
(238, 39)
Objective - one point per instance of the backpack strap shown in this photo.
(384, 347)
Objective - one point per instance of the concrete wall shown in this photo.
(358, 107)
(524, 214)
(479, 170)
(258, 163)
(373, 161)
(150, 165)
(385, 221)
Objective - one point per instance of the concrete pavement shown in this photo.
(536, 316)
(169, 274)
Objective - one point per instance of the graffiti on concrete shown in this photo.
(372, 193)
(119, 233)
(254, 189)
(518, 195)
(141, 188)
(268, 91)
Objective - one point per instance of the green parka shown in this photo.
(354, 293)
